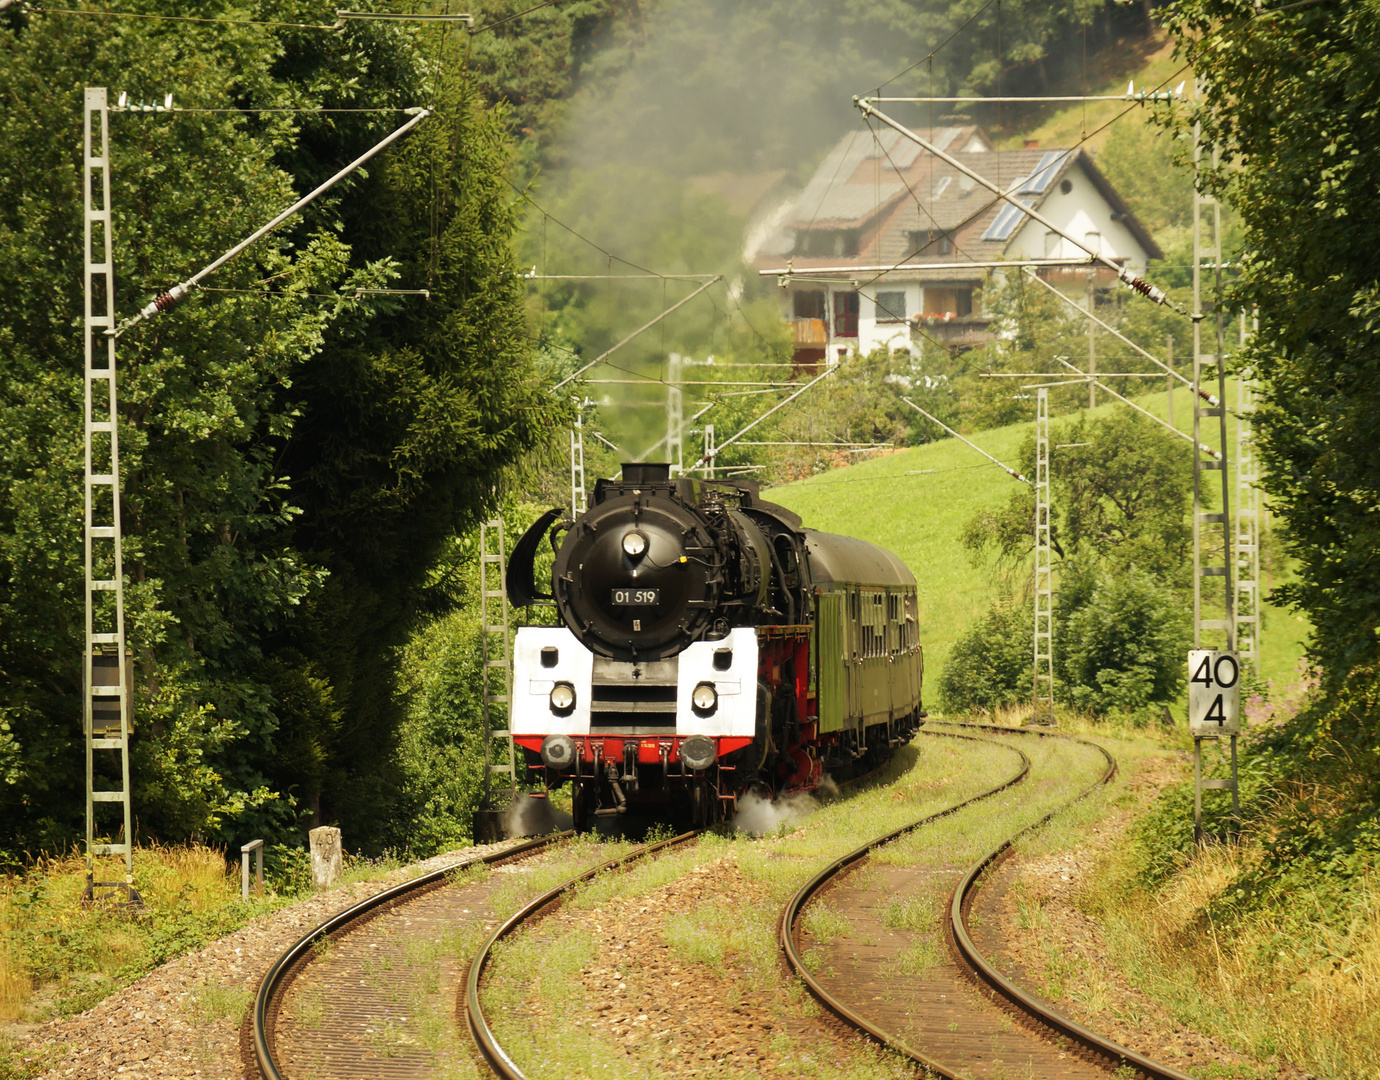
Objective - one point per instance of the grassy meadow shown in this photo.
(915, 503)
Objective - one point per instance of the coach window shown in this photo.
(871, 626)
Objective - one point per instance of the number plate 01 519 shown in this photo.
(636, 596)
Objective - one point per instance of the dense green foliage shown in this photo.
(1289, 103)
(1121, 640)
(1289, 108)
(295, 454)
(1120, 538)
(1119, 491)
(991, 665)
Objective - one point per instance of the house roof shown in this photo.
(863, 172)
(887, 188)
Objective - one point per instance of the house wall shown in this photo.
(1077, 212)
(886, 332)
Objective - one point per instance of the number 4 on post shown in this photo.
(1214, 693)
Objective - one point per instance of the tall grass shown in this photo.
(77, 953)
(1275, 983)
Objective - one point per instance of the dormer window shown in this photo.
(828, 243)
(930, 241)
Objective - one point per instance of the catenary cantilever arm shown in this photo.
(167, 299)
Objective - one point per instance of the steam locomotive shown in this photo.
(710, 646)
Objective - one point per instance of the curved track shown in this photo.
(498, 1058)
(1113, 1055)
(794, 906)
(262, 1034)
(1078, 1052)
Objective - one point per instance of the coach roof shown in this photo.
(845, 559)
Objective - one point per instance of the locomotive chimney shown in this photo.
(646, 472)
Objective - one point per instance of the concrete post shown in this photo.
(325, 856)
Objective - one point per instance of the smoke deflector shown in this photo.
(521, 581)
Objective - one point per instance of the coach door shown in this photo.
(831, 657)
(895, 648)
(854, 650)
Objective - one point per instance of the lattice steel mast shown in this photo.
(675, 417)
(1206, 523)
(1205, 560)
(495, 667)
(1247, 524)
(1044, 584)
(578, 498)
(105, 673)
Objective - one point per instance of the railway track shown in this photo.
(348, 1022)
(961, 1019)
(361, 970)
(498, 1058)
(958, 1017)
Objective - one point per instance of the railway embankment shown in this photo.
(673, 967)
(183, 1017)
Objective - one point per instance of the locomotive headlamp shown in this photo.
(558, 751)
(704, 698)
(697, 752)
(634, 544)
(562, 697)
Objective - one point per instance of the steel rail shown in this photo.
(1000, 986)
(278, 980)
(497, 1058)
(786, 927)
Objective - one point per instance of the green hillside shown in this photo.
(915, 503)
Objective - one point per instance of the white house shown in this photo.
(886, 237)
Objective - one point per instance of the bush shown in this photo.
(993, 665)
(1120, 642)
(1119, 646)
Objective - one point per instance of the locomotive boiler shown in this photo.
(709, 645)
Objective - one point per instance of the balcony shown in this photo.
(954, 331)
(810, 333)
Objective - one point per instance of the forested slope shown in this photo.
(296, 451)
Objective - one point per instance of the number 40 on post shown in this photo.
(1214, 693)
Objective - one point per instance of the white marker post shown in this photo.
(1214, 710)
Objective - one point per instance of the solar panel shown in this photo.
(1004, 224)
(1050, 163)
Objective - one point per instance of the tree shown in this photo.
(1121, 640)
(1119, 502)
(295, 452)
(1119, 497)
(1288, 104)
(991, 665)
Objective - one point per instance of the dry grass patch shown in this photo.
(1294, 989)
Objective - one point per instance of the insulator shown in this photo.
(1143, 287)
(164, 300)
